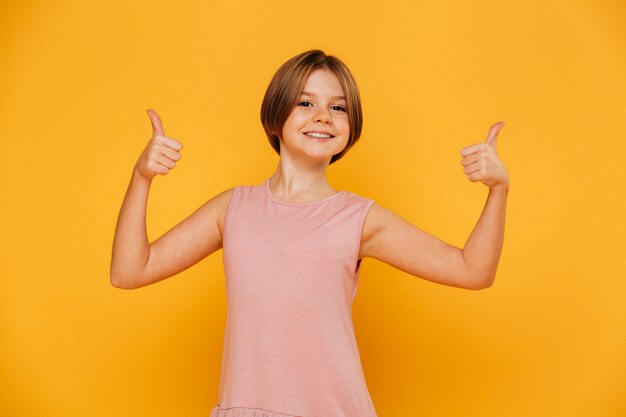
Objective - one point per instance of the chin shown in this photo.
(320, 157)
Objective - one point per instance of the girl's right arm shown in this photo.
(135, 262)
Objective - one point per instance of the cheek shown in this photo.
(293, 122)
(345, 127)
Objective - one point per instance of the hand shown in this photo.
(482, 163)
(161, 153)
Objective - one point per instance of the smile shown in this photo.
(318, 137)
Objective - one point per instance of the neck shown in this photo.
(289, 180)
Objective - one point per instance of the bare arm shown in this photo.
(135, 262)
(484, 246)
(393, 240)
(131, 248)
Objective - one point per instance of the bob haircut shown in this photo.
(287, 84)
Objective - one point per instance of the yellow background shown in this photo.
(76, 78)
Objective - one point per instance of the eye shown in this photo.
(303, 103)
(340, 108)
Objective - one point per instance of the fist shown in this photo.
(161, 153)
(481, 162)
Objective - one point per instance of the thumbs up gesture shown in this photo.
(161, 153)
(481, 161)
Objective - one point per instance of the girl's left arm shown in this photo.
(484, 245)
(395, 241)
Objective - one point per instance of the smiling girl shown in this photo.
(293, 247)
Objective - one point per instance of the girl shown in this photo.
(293, 246)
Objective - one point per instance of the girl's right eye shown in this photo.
(304, 102)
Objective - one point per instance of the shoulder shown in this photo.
(375, 220)
(219, 204)
(213, 211)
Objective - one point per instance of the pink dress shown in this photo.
(291, 277)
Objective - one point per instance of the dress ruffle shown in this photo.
(245, 412)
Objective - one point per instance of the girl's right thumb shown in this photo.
(157, 127)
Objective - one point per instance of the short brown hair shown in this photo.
(286, 86)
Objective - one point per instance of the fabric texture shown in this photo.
(291, 278)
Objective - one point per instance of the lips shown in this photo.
(323, 132)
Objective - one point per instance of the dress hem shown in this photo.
(217, 411)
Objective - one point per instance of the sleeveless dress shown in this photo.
(291, 277)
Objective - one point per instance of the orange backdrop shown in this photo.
(76, 78)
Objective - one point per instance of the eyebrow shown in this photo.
(314, 95)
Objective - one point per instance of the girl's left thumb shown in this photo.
(492, 136)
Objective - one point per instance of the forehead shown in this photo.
(323, 82)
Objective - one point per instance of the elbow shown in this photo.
(481, 283)
(475, 281)
(123, 284)
(117, 283)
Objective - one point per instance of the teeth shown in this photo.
(317, 135)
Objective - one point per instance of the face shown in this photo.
(319, 113)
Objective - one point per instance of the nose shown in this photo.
(322, 115)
